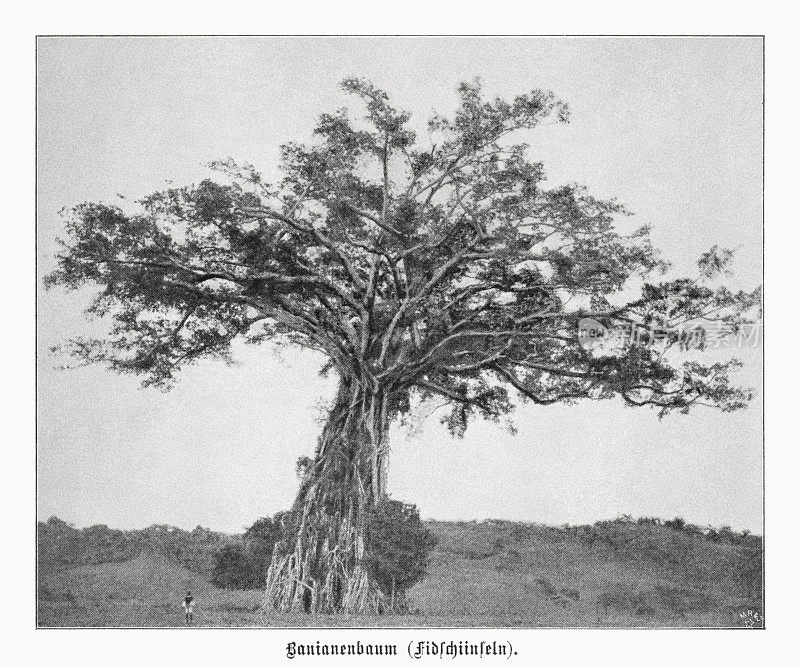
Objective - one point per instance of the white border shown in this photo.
(24, 645)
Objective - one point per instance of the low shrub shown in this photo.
(233, 568)
(627, 600)
(547, 586)
(676, 524)
(571, 593)
(243, 565)
(398, 545)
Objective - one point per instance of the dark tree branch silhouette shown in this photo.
(439, 269)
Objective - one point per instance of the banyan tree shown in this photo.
(424, 265)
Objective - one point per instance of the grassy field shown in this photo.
(493, 574)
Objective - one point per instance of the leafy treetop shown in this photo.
(443, 267)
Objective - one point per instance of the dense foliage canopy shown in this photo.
(443, 267)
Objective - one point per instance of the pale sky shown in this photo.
(671, 127)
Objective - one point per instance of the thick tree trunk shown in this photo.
(319, 567)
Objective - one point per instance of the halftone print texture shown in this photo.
(467, 331)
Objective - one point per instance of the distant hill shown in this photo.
(492, 573)
(147, 578)
(583, 575)
(61, 545)
(144, 591)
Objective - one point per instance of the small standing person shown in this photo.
(188, 607)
